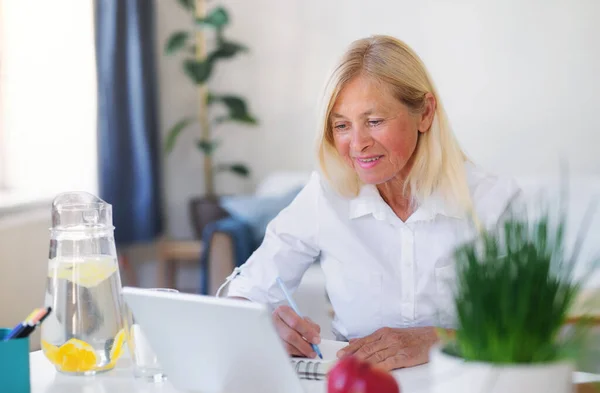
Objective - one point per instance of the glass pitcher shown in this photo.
(85, 332)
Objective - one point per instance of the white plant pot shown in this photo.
(450, 374)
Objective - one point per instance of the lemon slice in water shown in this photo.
(84, 272)
(74, 356)
(51, 351)
(78, 356)
(116, 350)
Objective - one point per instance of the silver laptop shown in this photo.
(213, 345)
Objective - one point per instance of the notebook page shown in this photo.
(308, 368)
(329, 348)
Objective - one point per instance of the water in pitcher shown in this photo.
(84, 334)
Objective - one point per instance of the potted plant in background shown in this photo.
(201, 56)
(514, 288)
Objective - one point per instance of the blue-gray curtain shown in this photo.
(128, 136)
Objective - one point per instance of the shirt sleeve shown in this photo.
(288, 249)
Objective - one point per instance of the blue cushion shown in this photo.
(243, 244)
(257, 211)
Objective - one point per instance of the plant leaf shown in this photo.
(217, 18)
(237, 168)
(207, 147)
(174, 133)
(198, 71)
(236, 105)
(175, 42)
(240, 170)
(187, 4)
(237, 108)
(515, 291)
(227, 50)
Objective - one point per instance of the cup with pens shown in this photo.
(14, 351)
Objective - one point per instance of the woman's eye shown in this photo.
(373, 123)
(340, 127)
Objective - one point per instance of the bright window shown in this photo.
(47, 99)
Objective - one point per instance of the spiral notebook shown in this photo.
(317, 369)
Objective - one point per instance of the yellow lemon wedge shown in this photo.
(51, 351)
(87, 273)
(116, 350)
(74, 356)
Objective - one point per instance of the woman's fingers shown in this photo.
(356, 344)
(295, 331)
(307, 329)
(317, 327)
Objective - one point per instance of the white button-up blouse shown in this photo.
(379, 271)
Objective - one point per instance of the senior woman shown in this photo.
(394, 196)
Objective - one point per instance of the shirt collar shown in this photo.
(369, 201)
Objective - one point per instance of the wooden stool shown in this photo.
(170, 253)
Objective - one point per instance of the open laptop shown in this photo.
(213, 345)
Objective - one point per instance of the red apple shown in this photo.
(351, 375)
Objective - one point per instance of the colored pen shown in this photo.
(36, 321)
(24, 328)
(21, 326)
(296, 309)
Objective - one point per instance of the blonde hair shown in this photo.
(439, 162)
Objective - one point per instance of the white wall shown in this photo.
(24, 242)
(518, 79)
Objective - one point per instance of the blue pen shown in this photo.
(295, 308)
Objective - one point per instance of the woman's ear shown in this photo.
(426, 117)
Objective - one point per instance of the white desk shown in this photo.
(45, 379)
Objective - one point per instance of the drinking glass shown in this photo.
(145, 362)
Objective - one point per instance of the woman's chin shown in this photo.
(372, 179)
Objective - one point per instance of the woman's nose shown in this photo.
(361, 139)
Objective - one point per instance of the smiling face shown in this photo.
(373, 132)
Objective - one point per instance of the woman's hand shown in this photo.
(390, 348)
(297, 333)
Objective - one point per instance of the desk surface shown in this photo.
(45, 379)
